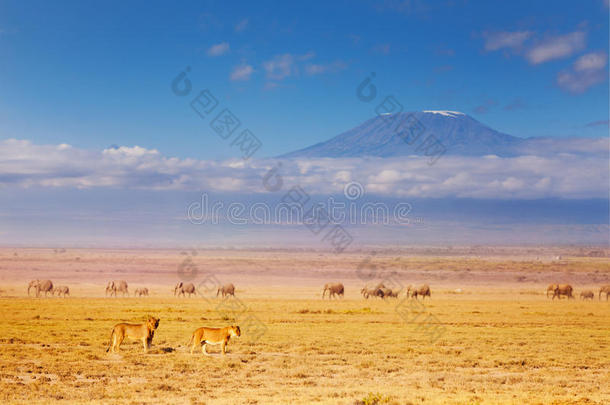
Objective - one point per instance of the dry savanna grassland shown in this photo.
(502, 342)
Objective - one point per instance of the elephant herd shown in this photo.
(189, 288)
(566, 290)
(46, 287)
(379, 290)
(113, 288)
(333, 290)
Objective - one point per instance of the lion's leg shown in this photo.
(224, 347)
(204, 350)
(145, 344)
(115, 343)
(119, 341)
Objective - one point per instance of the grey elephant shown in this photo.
(61, 290)
(182, 289)
(117, 286)
(605, 289)
(424, 291)
(39, 286)
(587, 295)
(333, 289)
(563, 289)
(227, 289)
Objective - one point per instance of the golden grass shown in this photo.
(498, 348)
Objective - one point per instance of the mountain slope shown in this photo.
(459, 133)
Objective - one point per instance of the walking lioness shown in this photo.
(213, 336)
(144, 331)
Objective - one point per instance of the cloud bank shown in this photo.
(579, 174)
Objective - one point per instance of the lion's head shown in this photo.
(235, 331)
(153, 323)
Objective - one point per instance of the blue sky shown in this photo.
(93, 75)
(79, 77)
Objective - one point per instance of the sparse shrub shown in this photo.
(373, 399)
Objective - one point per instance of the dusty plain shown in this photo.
(499, 339)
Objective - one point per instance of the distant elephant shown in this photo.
(41, 285)
(182, 288)
(563, 289)
(61, 290)
(424, 291)
(551, 288)
(333, 289)
(605, 289)
(587, 295)
(391, 293)
(371, 292)
(227, 289)
(117, 286)
(139, 292)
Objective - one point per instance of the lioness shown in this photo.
(214, 336)
(144, 331)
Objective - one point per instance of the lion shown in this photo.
(214, 336)
(143, 331)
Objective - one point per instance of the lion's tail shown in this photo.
(110, 344)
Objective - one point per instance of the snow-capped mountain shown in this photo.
(389, 135)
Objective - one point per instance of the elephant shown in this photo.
(551, 288)
(227, 289)
(141, 292)
(368, 292)
(182, 288)
(333, 289)
(424, 291)
(41, 285)
(587, 295)
(372, 291)
(388, 292)
(117, 285)
(61, 290)
(563, 289)
(605, 289)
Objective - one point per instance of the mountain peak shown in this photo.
(446, 113)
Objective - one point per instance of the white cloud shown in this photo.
(280, 67)
(578, 83)
(593, 60)
(242, 72)
(562, 175)
(218, 49)
(242, 25)
(314, 69)
(505, 39)
(586, 72)
(557, 47)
